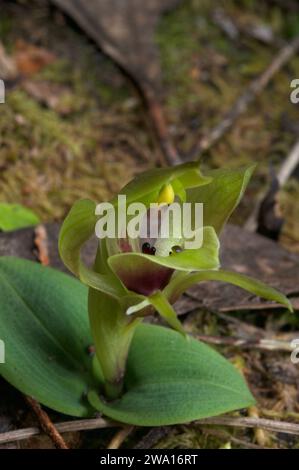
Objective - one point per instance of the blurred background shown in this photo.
(74, 124)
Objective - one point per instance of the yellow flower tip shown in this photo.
(166, 195)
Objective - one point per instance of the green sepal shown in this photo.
(180, 284)
(222, 195)
(163, 307)
(76, 230)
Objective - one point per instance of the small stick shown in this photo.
(67, 426)
(242, 103)
(46, 424)
(120, 437)
(263, 344)
(289, 165)
(270, 425)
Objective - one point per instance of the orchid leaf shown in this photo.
(180, 284)
(222, 195)
(44, 326)
(15, 216)
(170, 380)
(77, 228)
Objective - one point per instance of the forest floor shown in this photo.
(75, 127)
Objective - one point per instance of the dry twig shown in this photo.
(242, 103)
(270, 425)
(67, 426)
(46, 424)
(289, 164)
(120, 437)
(263, 344)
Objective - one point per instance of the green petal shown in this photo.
(180, 284)
(163, 307)
(76, 229)
(222, 195)
(146, 186)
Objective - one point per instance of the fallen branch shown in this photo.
(242, 103)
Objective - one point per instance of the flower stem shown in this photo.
(112, 332)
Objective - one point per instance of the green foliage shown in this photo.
(151, 375)
(15, 216)
(170, 380)
(44, 325)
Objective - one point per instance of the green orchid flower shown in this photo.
(134, 276)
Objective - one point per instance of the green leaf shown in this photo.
(170, 380)
(44, 325)
(146, 186)
(76, 229)
(222, 195)
(15, 216)
(180, 284)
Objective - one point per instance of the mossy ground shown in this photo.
(49, 159)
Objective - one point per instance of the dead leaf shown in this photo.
(30, 59)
